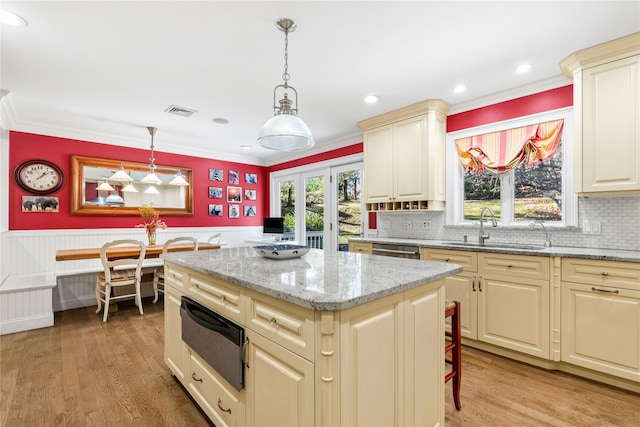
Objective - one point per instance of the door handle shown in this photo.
(480, 283)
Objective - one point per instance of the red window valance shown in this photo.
(502, 151)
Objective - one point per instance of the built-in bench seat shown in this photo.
(25, 302)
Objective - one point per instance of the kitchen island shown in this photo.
(331, 338)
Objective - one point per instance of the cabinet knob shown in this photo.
(273, 321)
(605, 273)
(446, 260)
(223, 298)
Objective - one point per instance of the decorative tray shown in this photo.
(281, 251)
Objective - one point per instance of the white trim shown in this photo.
(454, 186)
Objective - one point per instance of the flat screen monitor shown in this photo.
(273, 227)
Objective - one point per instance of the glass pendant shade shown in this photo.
(151, 190)
(105, 187)
(151, 178)
(121, 175)
(179, 180)
(114, 198)
(285, 132)
(129, 188)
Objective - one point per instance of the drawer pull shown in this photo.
(223, 298)
(605, 290)
(193, 377)
(446, 260)
(195, 285)
(273, 321)
(509, 265)
(605, 273)
(228, 410)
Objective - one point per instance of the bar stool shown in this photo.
(452, 309)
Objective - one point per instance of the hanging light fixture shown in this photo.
(105, 187)
(179, 180)
(121, 175)
(129, 188)
(151, 190)
(151, 177)
(285, 131)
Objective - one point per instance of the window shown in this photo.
(520, 195)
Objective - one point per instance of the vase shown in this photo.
(152, 238)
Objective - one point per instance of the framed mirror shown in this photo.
(93, 192)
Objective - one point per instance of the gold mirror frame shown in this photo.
(79, 206)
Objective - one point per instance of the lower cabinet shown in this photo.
(175, 353)
(279, 385)
(504, 298)
(601, 316)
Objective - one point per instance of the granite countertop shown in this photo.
(589, 253)
(320, 280)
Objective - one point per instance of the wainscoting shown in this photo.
(34, 285)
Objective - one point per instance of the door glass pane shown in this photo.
(288, 208)
(349, 207)
(314, 211)
(538, 190)
(480, 190)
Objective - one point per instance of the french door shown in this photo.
(322, 207)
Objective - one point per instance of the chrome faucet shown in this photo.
(482, 236)
(547, 236)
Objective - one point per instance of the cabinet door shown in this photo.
(378, 164)
(611, 135)
(462, 287)
(410, 159)
(174, 348)
(279, 385)
(514, 313)
(601, 329)
(370, 353)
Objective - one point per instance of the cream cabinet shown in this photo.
(361, 247)
(504, 298)
(404, 152)
(601, 316)
(607, 116)
(378, 363)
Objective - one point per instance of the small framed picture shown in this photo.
(216, 175)
(215, 193)
(250, 194)
(234, 211)
(250, 178)
(234, 177)
(249, 211)
(40, 204)
(234, 194)
(215, 210)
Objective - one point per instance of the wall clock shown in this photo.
(39, 176)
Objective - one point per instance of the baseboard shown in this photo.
(18, 325)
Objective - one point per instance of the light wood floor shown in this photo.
(82, 372)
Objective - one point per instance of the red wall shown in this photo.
(24, 146)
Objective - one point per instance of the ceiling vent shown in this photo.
(180, 111)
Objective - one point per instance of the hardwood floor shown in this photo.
(82, 372)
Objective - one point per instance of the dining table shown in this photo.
(121, 252)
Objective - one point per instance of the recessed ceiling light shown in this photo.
(12, 19)
(220, 121)
(246, 147)
(371, 99)
(523, 68)
(459, 88)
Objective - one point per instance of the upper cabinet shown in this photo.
(606, 99)
(404, 158)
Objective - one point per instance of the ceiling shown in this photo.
(104, 71)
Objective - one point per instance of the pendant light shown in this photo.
(179, 180)
(285, 131)
(129, 188)
(151, 190)
(105, 187)
(121, 175)
(151, 177)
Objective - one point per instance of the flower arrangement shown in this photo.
(151, 222)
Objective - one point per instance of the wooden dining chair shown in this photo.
(215, 238)
(158, 274)
(117, 273)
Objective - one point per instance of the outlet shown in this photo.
(426, 225)
(407, 225)
(591, 227)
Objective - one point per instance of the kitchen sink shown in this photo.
(496, 245)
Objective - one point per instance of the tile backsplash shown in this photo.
(618, 220)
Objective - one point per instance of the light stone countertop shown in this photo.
(320, 280)
(494, 246)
